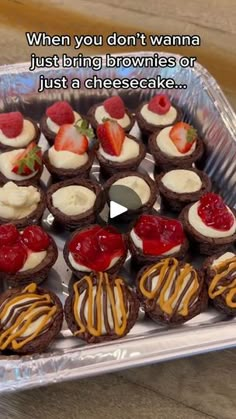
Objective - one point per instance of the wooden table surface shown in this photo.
(199, 387)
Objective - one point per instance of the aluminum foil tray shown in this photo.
(206, 107)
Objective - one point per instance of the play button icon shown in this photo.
(116, 209)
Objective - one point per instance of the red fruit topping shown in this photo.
(71, 138)
(183, 136)
(96, 247)
(111, 136)
(11, 124)
(159, 104)
(8, 234)
(12, 257)
(115, 107)
(159, 235)
(35, 238)
(214, 213)
(61, 113)
(28, 161)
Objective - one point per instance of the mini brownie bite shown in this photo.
(117, 151)
(21, 205)
(157, 114)
(154, 237)
(210, 223)
(101, 308)
(180, 187)
(171, 292)
(112, 108)
(17, 131)
(56, 115)
(25, 254)
(95, 248)
(220, 274)
(176, 146)
(70, 155)
(30, 319)
(23, 166)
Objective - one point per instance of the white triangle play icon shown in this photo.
(116, 209)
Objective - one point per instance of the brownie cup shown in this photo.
(157, 114)
(16, 131)
(75, 202)
(180, 187)
(154, 237)
(176, 147)
(114, 305)
(220, 274)
(210, 224)
(95, 248)
(171, 292)
(25, 254)
(30, 319)
(112, 108)
(21, 205)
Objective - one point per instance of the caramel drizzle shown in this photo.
(97, 316)
(224, 281)
(170, 277)
(20, 321)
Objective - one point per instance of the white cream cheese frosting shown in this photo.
(64, 159)
(84, 268)
(223, 258)
(23, 139)
(55, 127)
(138, 185)
(33, 260)
(138, 242)
(101, 113)
(73, 200)
(182, 181)
(155, 119)
(197, 223)
(7, 162)
(167, 146)
(17, 202)
(130, 150)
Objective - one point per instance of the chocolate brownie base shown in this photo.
(49, 135)
(94, 123)
(35, 139)
(205, 245)
(34, 180)
(147, 129)
(177, 201)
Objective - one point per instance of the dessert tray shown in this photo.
(206, 107)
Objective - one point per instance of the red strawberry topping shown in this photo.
(12, 257)
(28, 161)
(35, 238)
(111, 136)
(159, 234)
(214, 213)
(115, 107)
(159, 104)
(11, 124)
(183, 136)
(71, 138)
(8, 234)
(61, 113)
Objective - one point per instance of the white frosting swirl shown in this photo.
(7, 160)
(167, 146)
(138, 242)
(64, 159)
(138, 185)
(182, 181)
(17, 202)
(74, 199)
(222, 258)
(130, 150)
(33, 260)
(155, 119)
(23, 139)
(55, 127)
(197, 223)
(101, 113)
(84, 268)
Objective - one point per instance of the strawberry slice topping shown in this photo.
(214, 213)
(11, 124)
(74, 138)
(183, 136)
(28, 161)
(61, 113)
(159, 104)
(115, 107)
(111, 136)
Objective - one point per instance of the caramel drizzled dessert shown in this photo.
(101, 308)
(171, 291)
(30, 318)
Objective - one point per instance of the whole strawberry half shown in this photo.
(73, 138)
(111, 136)
(61, 113)
(115, 107)
(11, 124)
(28, 161)
(159, 104)
(183, 136)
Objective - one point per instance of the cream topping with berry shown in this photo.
(168, 147)
(66, 159)
(223, 258)
(155, 119)
(198, 224)
(55, 127)
(7, 163)
(17, 202)
(138, 242)
(33, 260)
(101, 113)
(84, 268)
(73, 200)
(23, 139)
(130, 150)
(138, 185)
(182, 181)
